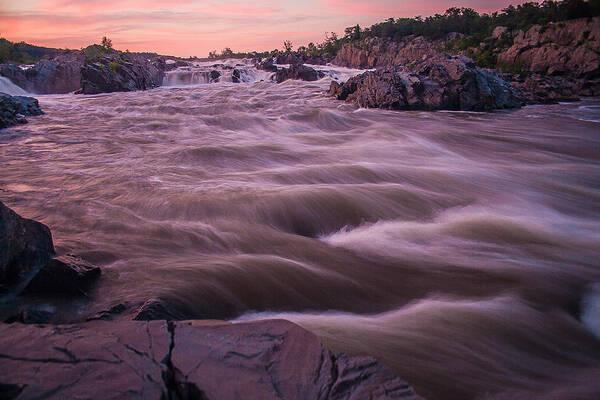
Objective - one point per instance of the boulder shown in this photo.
(442, 83)
(120, 73)
(298, 72)
(236, 76)
(271, 359)
(25, 247)
(13, 110)
(267, 65)
(66, 275)
(28, 262)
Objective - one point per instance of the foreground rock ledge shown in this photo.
(272, 359)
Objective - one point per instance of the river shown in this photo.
(459, 248)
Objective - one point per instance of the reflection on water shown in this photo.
(456, 247)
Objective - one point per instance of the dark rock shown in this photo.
(9, 391)
(214, 75)
(16, 76)
(236, 76)
(267, 65)
(27, 259)
(273, 359)
(108, 314)
(548, 89)
(118, 73)
(13, 109)
(31, 316)
(62, 74)
(158, 309)
(65, 275)
(25, 247)
(445, 83)
(298, 72)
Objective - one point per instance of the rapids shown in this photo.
(462, 249)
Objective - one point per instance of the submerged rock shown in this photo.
(298, 72)
(272, 359)
(27, 259)
(158, 309)
(443, 83)
(13, 109)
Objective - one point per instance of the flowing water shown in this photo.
(461, 249)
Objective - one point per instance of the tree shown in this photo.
(287, 45)
(226, 52)
(212, 54)
(106, 43)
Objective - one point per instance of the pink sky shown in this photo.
(193, 28)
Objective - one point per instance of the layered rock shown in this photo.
(569, 48)
(298, 72)
(272, 359)
(300, 58)
(378, 52)
(14, 109)
(120, 73)
(443, 83)
(28, 262)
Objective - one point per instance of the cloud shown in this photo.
(194, 27)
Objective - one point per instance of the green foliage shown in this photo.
(287, 46)
(23, 53)
(476, 27)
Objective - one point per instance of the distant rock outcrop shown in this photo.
(120, 73)
(298, 72)
(14, 109)
(271, 359)
(442, 83)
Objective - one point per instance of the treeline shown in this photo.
(23, 53)
(462, 20)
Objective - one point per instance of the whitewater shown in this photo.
(461, 249)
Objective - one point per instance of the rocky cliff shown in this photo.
(555, 62)
(91, 70)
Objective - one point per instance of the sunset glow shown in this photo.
(194, 27)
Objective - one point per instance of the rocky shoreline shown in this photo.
(159, 359)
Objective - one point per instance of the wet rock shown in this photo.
(30, 316)
(66, 275)
(444, 83)
(195, 359)
(13, 109)
(236, 76)
(542, 89)
(298, 72)
(214, 75)
(27, 259)
(267, 65)
(120, 73)
(16, 76)
(25, 247)
(157, 309)
(109, 314)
